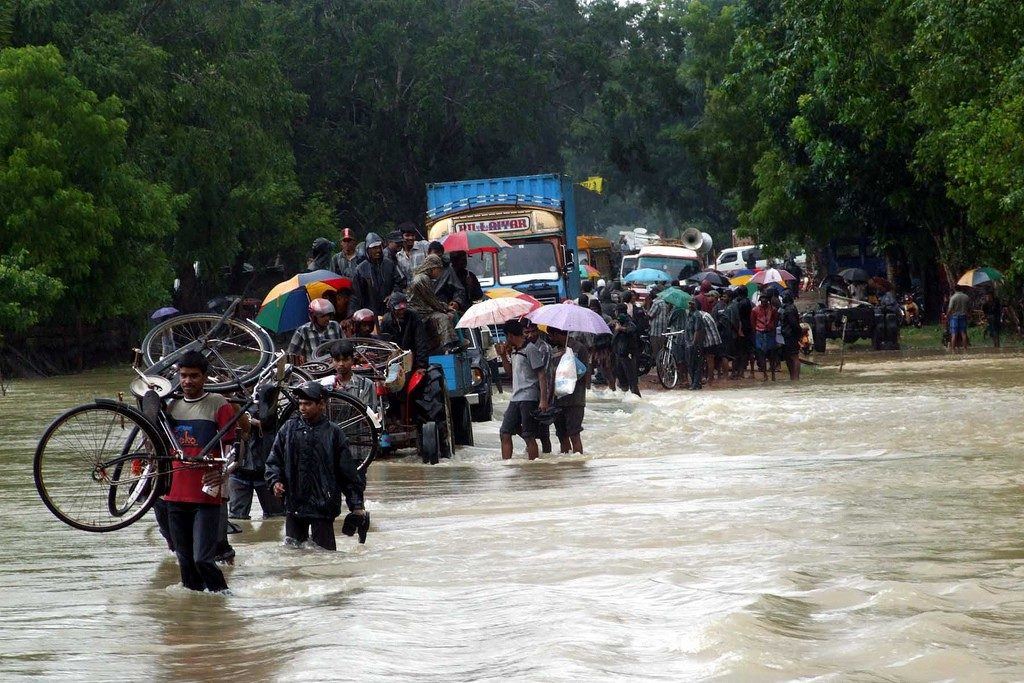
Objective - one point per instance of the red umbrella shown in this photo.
(473, 242)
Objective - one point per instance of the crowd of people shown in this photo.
(410, 293)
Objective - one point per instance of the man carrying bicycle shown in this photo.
(193, 516)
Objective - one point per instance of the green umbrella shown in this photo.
(676, 297)
(979, 276)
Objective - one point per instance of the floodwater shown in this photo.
(863, 526)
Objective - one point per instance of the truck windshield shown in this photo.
(526, 261)
(676, 268)
(482, 265)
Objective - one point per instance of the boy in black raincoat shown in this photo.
(310, 465)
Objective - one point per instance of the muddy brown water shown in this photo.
(862, 526)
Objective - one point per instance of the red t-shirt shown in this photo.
(195, 423)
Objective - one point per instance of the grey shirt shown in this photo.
(526, 363)
(959, 304)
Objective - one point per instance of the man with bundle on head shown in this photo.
(526, 365)
(311, 467)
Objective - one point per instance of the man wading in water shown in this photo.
(193, 516)
(311, 467)
(526, 364)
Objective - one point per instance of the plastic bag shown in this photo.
(565, 374)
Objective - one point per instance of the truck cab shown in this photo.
(596, 252)
(534, 214)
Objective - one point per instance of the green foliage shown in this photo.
(26, 294)
(74, 210)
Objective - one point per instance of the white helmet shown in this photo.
(320, 307)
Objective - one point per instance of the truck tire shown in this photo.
(462, 422)
(483, 411)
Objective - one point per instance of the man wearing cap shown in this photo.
(412, 253)
(392, 245)
(525, 363)
(405, 328)
(345, 261)
(376, 277)
(423, 300)
(311, 467)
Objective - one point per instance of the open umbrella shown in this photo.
(495, 311)
(165, 312)
(285, 306)
(676, 297)
(588, 271)
(509, 293)
(854, 274)
(741, 280)
(713, 276)
(570, 317)
(474, 242)
(741, 272)
(647, 275)
(772, 275)
(979, 276)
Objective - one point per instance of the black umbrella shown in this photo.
(713, 276)
(854, 275)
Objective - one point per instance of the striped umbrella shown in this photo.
(979, 276)
(509, 293)
(495, 312)
(285, 306)
(474, 242)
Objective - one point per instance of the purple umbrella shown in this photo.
(165, 312)
(570, 317)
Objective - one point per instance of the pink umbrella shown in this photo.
(772, 275)
(495, 311)
(570, 317)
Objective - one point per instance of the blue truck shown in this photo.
(535, 214)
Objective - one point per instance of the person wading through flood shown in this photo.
(789, 321)
(569, 421)
(625, 349)
(534, 337)
(957, 311)
(193, 517)
(696, 338)
(763, 320)
(311, 467)
(525, 363)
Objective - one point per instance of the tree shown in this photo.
(76, 215)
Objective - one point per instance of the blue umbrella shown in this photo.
(647, 275)
(165, 312)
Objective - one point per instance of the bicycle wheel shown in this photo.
(237, 348)
(75, 463)
(132, 479)
(349, 413)
(668, 373)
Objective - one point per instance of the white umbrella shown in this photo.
(495, 312)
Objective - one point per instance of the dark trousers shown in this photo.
(626, 373)
(195, 531)
(696, 363)
(241, 498)
(298, 528)
(160, 512)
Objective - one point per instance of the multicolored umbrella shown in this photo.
(676, 297)
(474, 242)
(588, 271)
(495, 312)
(647, 275)
(570, 318)
(772, 275)
(285, 306)
(741, 280)
(979, 276)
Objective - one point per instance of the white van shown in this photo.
(735, 258)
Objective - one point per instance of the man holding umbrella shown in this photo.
(569, 421)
